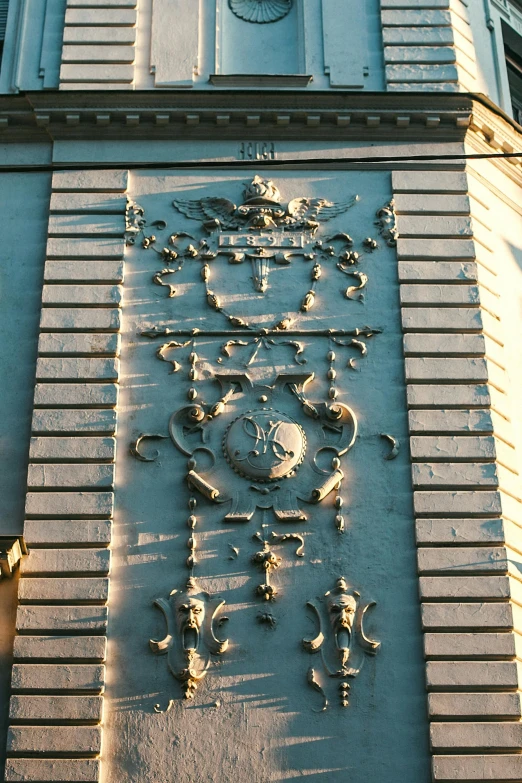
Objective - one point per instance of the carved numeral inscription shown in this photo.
(257, 150)
(261, 240)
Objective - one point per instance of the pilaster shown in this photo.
(465, 478)
(428, 45)
(59, 652)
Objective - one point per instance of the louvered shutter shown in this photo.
(4, 4)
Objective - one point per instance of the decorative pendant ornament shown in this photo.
(260, 11)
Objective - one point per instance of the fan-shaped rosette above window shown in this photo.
(260, 11)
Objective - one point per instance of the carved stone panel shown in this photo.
(259, 507)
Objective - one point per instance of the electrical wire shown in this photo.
(213, 164)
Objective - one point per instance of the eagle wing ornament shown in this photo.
(318, 209)
(208, 209)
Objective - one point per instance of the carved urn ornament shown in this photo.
(260, 11)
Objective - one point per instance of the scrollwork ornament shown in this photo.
(387, 223)
(260, 11)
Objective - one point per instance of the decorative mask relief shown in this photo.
(278, 445)
(341, 638)
(192, 618)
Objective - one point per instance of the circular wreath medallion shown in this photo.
(260, 11)
(264, 444)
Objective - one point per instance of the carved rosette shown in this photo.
(260, 11)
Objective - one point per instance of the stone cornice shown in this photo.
(276, 115)
(261, 115)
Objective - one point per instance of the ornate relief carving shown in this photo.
(269, 561)
(265, 445)
(260, 11)
(192, 618)
(285, 446)
(262, 208)
(134, 221)
(394, 443)
(341, 638)
(387, 222)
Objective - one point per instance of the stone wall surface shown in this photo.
(196, 312)
(155, 44)
(444, 286)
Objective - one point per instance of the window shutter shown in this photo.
(4, 4)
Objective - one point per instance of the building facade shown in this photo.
(261, 313)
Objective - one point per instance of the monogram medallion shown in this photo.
(265, 445)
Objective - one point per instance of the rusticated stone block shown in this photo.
(81, 709)
(32, 770)
(70, 476)
(419, 182)
(60, 648)
(425, 344)
(54, 740)
(445, 396)
(67, 532)
(431, 249)
(90, 319)
(71, 368)
(462, 421)
(86, 225)
(82, 295)
(460, 531)
(89, 202)
(472, 616)
(476, 736)
(475, 705)
(430, 475)
(460, 588)
(67, 619)
(455, 559)
(74, 421)
(109, 248)
(473, 675)
(433, 369)
(77, 395)
(66, 561)
(79, 449)
(503, 768)
(73, 590)
(58, 677)
(469, 645)
(80, 504)
(81, 344)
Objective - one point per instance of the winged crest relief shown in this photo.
(262, 208)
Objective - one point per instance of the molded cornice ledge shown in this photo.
(273, 115)
(233, 115)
